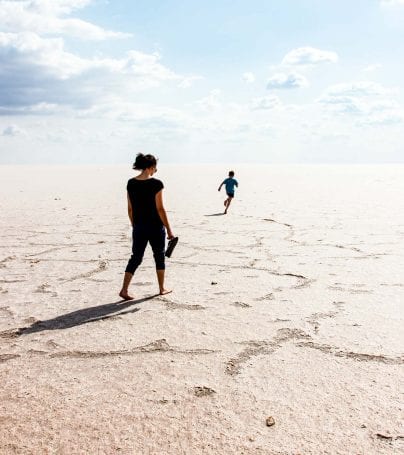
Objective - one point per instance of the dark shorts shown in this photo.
(230, 194)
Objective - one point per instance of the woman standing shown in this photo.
(149, 221)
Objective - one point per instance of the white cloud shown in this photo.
(54, 6)
(142, 66)
(46, 17)
(370, 102)
(38, 73)
(360, 88)
(344, 104)
(21, 51)
(12, 130)
(248, 77)
(40, 76)
(34, 109)
(287, 81)
(309, 56)
(265, 103)
(210, 102)
(385, 118)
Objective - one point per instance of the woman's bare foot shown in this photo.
(165, 291)
(125, 296)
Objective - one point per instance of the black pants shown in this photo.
(141, 235)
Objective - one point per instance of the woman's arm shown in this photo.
(162, 213)
(130, 210)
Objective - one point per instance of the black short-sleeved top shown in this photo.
(142, 195)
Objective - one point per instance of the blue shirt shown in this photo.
(230, 184)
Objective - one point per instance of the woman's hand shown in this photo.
(170, 234)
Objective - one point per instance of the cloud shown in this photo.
(303, 58)
(287, 81)
(38, 73)
(54, 7)
(248, 78)
(12, 130)
(265, 103)
(142, 66)
(385, 118)
(369, 101)
(211, 102)
(360, 88)
(343, 104)
(309, 56)
(24, 51)
(34, 109)
(47, 17)
(40, 76)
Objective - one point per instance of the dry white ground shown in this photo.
(291, 306)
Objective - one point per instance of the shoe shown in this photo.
(171, 245)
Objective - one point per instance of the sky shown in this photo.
(190, 81)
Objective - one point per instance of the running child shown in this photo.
(230, 183)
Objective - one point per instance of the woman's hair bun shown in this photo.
(143, 162)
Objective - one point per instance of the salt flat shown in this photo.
(290, 306)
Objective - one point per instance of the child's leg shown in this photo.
(228, 202)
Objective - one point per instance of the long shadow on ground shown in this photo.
(84, 316)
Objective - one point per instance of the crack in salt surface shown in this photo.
(12, 281)
(102, 265)
(288, 237)
(6, 357)
(49, 250)
(5, 260)
(277, 222)
(362, 357)
(351, 291)
(342, 247)
(9, 334)
(314, 318)
(255, 348)
(181, 306)
(241, 304)
(306, 281)
(156, 346)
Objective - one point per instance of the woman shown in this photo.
(148, 217)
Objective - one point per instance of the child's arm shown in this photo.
(220, 187)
